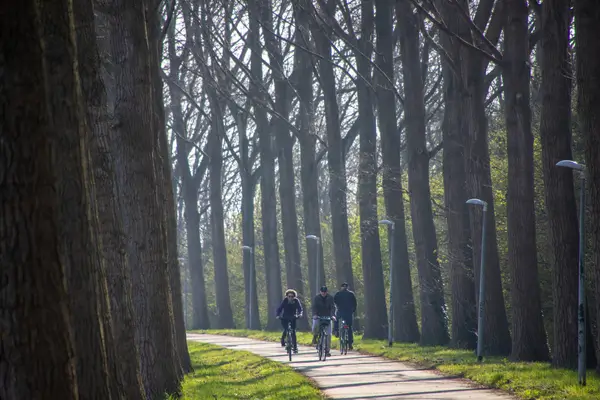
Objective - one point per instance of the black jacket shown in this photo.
(345, 301)
(323, 306)
(287, 309)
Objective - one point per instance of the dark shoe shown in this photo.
(283, 343)
(314, 341)
(328, 354)
(350, 347)
(295, 350)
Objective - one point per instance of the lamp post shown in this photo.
(581, 339)
(481, 313)
(391, 232)
(250, 250)
(185, 291)
(317, 241)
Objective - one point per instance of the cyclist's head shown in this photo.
(344, 286)
(323, 290)
(291, 294)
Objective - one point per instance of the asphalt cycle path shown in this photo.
(357, 376)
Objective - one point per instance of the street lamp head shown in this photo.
(478, 202)
(247, 248)
(312, 237)
(387, 222)
(571, 164)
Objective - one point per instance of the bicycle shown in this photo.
(344, 337)
(288, 341)
(324, 323)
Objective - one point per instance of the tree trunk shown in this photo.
(529, 337)
(182, 360)
(336, 164)
(309, 170)
(479, 184)
(454, 127)
(555, 133)
(587, 26)
(285, 144)
(33, 290)
(124, 357)
(75, 216)
(434, 325)
(224, 312)
(248, 190)
(405, 319)
(268, 200)
(375, 307)
(142, 215)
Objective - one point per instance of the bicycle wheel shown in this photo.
(321, 347)
(289, 344)
(342, 342)
(324, 344)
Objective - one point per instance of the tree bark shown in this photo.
(336, 163)
(479, 182)
(32, 366)
(529, 338)
(142, 214)
(555, 134)
(375, 305)
(405, 319)
(454, 128)
(309, 170)
(268, 201)
(434, 325)
(123, 354)
(587, 26)
(285, 144)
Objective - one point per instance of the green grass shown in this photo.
(224, 374)
(527, 381)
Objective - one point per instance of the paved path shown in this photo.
(357, 376)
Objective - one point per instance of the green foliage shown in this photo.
(526, 380)
(225, 374)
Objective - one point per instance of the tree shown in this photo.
(375, 307)
(529, 337)
(405, 320)
(555, 134)
(434, 325)
(33, 291)
(455, 194)
(267, 165)
(135, 138)
(587, 25)
(336, 164)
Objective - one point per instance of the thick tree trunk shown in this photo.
(224, 312)
(181, 358)
(76, 219)
(309, 169)
(555, 133)
(454, 128)
(405, 319)
(33, 292)
(285, 144)
(529, 337)
(123, 356)
(268, 201)
(587, 26)
(434, 325)
(142, 215)
(335, 156)
(479, 184)
(375, 305)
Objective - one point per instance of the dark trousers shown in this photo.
(348, 318)
(284, 325)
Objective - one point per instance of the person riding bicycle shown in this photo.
(345, 302)
(288, 311)
(323, 306)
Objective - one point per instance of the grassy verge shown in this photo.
(526, 380)
(230, 374)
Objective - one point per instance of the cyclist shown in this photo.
(345, 302)
(289, 310)
(323, 306)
